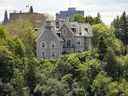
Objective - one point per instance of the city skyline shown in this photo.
(109, 10)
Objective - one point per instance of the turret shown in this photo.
(5, 17)
(31, 9)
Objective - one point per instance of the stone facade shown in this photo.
(49, 45)
(35, 18)
(70, 37)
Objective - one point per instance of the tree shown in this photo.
(121, 29)
(97, 19)
(116, 24)
(17, 47)
(124, 30)
(30, 75)
(25, 35)
(88, 19)
(117, 88)
(99, 84)
(102, 49)
(110, 40)
(78, 18)
(2, 34)
(6, 64)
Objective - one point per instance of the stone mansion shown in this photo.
(56, 37)
(60, 37)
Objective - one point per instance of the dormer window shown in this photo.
(80, 33)
(73, 29)
(57, 24)
(86, 29)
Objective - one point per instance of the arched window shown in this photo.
(43, 44)
(43, 54)
(53, 44)
(86, 29)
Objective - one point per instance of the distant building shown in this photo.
(35, 18)
(68, 13)
(70, 37)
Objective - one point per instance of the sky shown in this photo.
(108, 9)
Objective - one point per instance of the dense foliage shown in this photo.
(88, 19)
(102, 71)
(121, 29)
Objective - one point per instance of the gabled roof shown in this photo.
(85, 32)
(80, 28)
(42, 30)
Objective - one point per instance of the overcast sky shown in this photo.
(108, 8)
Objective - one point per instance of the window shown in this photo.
(53, 45)
(78, 43)
(53, 54)
(80, 33)
(59, 34)
(86, 29)
(43, 44)
(43, 54)
(73, 29)
(68, 43)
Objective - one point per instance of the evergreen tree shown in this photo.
(123, 30)
(97, 19)
(89, 19)
(116, 23)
